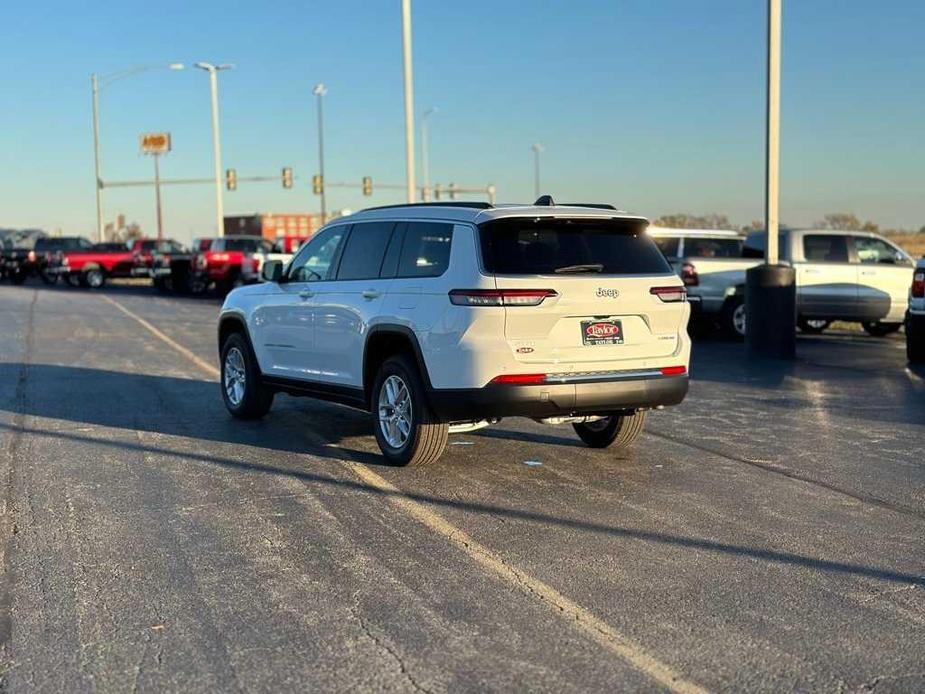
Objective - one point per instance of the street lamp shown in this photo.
(425, 154)
(213, 70)
(770, 288)
(96, 83)
(319, 91)
(409, 98)
(537, 148)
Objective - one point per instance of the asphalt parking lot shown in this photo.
(766, 535)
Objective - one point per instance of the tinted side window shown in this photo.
(698, 247)
(313, 263)
(365, 250)
(426, 249)
(667, 245)
(825, 248)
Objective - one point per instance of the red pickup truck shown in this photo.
(226, 262)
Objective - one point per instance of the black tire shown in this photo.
(427, 436)
(94, 278)
(915, 340)
(878, 329)
(255, 399)
(197, 285)
(18, 277)
(732, 318)
(813, 326)
(48, 277)
(617, 430)
(72, 279)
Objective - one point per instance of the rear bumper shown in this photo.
(557, 399)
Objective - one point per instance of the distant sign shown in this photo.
(155, 143)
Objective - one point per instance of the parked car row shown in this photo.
(213, 263)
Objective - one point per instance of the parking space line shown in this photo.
(211, 369)
(598, 630)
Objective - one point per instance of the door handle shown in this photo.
(372, 294)
(868, 273)
(810, 271)
(306, 294)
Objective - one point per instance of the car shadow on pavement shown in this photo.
(662, 538)
(177, 407)
(192, 408)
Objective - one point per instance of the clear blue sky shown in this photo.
(656, 105)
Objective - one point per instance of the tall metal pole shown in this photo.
(773, 131)
(537, 148)
(217, 154)
(157, 196)
(770, 308)
(319, 91)
(95, 84)
(409, 97)
(425, 152)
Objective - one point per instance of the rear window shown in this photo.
(698, 247)
(756, 242)
(531, 246)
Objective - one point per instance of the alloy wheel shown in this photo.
(234, 376)
(395, 411)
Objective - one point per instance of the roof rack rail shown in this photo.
(453, 203)
(593, 205)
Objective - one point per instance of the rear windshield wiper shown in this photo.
(590, 267)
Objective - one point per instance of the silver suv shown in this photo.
(447, 317)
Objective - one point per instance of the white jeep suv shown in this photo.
(443, 317)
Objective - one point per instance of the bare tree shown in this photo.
(847, 221)
(682, 220)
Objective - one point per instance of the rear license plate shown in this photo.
(602, 332)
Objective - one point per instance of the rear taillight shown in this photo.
(689, 275)
(220, 257)
(669, 294)
(918, 284)
(674, 370)
(519, 379)
(500, 297)
(31, 256)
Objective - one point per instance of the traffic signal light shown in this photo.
(317, 184)
(287, 177)
(231, 179)
(367, 185)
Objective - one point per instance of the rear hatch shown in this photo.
(612, 297)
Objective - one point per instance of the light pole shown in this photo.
(96, 83)
(319, 91)
(425, 153)
(770, 289)
(213, 70)
(409, 97)
(537, 148)
(157, 196)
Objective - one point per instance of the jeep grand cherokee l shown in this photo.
(443, 317)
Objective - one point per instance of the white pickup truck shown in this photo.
(711, 263)
(854, 276)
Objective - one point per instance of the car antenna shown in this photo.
(544, 201)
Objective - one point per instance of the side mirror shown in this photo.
(272, 271)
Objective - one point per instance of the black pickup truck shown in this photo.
(35, 257)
